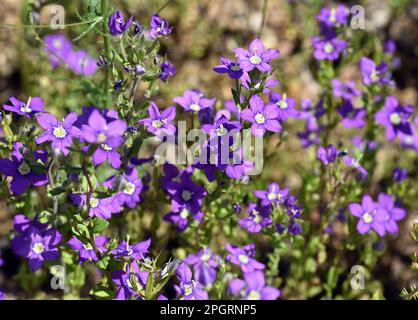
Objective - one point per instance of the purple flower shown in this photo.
(311, 135)
(229, 66)
(370, 214)
(81, 63)
(257, 57)
(188, 288)
(243, 257)
(205, 264)
(255, 83)
(2, 297)
(352, 117)
(395, 118)
(60, 133)
(117, 23)
(160, 123)
(186, 194)
(159, 27)
(194, 101)
(389, 46)
(57, 46)
(129, 282)
(374, 74)
(328, 154)
(333, 17)
(273, 195)
(130, 186)
(99, 207)
(346, 90)
(286, 106)
(86, 251)
(167, 70)
(257, 218)
(399, 174)
(182, 217)
(25, 168)
(137, 251)
(37, 245)
(328, 48)
(354, 163)
(294, 228)
(29, 109)
(253, 287)
(263, 117)
(393, 214)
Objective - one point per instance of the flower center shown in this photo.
(374, 75)
(221, 131)
(282, 104)
(101, 137)
(194, 107)
(38, 248)
(105, 147)
(59, 132)
(129, 188)
(188, 289)
(119, 20)
(243, 258)
(255, 59)
(332, 17)
(260, 118)
(94, 202)
(395, 118)
(186, 195)
(254, 295)
(25, 108)
(235, 67)
(272, 196)
(328, 48)
(57, 44)
(205, 257)
(23, 168)
(184, 214)
(367, 217)
(157, 124)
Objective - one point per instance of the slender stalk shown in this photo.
(104, 9)
(263, 20)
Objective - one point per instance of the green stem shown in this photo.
(104, 9)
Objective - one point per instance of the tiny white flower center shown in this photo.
(38, 248)
(94, 202)
(374, 76)
(57, 43)
(106, 147)
(194, 107)
(101, 137)
(260, 118)
(25, 108)
(235, 67)
(157, 124)
(243, 259)
(328, 48)
(186, 195)
(184, 214)
(272, 196)
(221, 131)
(254, 295)
(129, 188)
(282, 104)
(332, 17)
(395, 118)
(255, 59)
(23, 168)
(206, 257)
(367, 217)
(59, 132)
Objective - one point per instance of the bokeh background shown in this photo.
(203, 31)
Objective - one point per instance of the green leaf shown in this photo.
(149, 287)
(99, 225)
